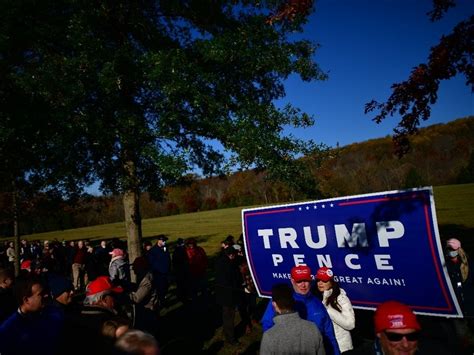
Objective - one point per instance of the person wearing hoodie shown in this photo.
(119, 270)
(338, 306)
(145, 297)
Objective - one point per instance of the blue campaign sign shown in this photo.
(382, 246)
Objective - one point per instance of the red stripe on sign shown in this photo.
(249, 254)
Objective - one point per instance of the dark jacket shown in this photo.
(80, 256)
(86, 329)
(228, 282)
(37, 333)
(7, 303)
(160, 260)
(102, 257)
(464, 289)
(197, 261)
(180, 262)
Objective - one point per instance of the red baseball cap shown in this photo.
(117, 252)
(101, 284)
(301, 273)
(25, 265)
(324, 274)
(394, 315)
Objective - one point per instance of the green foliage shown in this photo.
(136, 93)
(466, 175)
(413, 179)
(88, 90)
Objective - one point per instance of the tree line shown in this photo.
(441, 154)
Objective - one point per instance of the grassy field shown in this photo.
(454, 208)
(209, 227)
(202, 332)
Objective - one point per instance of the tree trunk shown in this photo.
(133, 222)
(16, 233)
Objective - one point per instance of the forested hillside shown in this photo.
(441, 154)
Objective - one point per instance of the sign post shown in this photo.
(382, 246)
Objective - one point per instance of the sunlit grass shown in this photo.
(455, 204)
(454, 207)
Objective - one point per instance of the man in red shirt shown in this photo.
(78, 265)
(197, 260)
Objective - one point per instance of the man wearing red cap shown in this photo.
(99, 307)
(397, 328)
(397, 331)
(99, 304)
(308, 306)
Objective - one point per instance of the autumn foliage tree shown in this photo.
(412, 99)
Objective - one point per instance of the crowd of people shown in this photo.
(70, 296)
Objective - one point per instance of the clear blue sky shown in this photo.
(366, 46)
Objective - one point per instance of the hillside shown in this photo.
(440, 154)
(454, 208)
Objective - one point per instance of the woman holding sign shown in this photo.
(338, 306)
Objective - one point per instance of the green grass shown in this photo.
(454, 208)
(455, 204)
(209, 227)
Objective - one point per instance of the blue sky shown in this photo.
(366, 46)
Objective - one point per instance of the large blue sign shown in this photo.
(382, 246)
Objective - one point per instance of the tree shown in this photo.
(135, 93)
(466, 175)
(412, 99)
(413, 179)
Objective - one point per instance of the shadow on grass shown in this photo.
(197, 328)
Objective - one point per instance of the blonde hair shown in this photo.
(464, 264)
